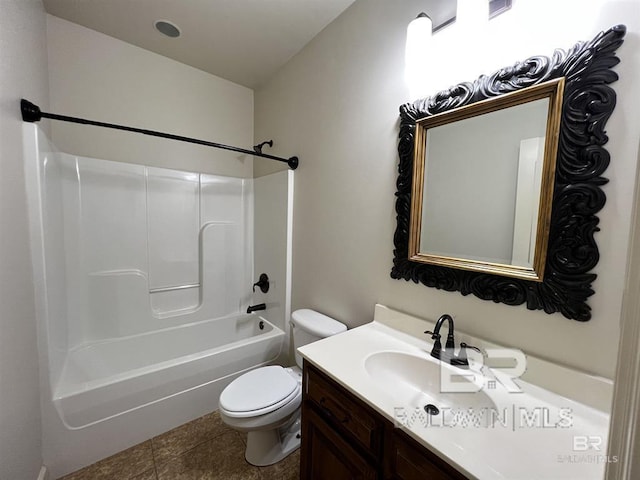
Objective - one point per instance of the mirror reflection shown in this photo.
(484, 180)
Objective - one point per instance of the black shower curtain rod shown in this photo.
(32, 113)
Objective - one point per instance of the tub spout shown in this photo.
(255, 308)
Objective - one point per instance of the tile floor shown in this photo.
(204, 449)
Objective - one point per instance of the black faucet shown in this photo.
(436, 351)
(448, 354)
(255, 308)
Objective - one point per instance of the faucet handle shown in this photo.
(461, 360)
(434, 336)
(262, 283)
(436, 350)
(466, 345)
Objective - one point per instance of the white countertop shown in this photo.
(533, 439)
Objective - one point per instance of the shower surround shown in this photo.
(142, 277)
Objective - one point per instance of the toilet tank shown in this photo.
(310, 326)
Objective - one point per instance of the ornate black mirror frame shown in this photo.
(577, 197)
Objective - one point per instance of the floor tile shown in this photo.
(121, 466)
(187, 436)
(204, 449)
(148, 475)
(221, 458)
(287, 469)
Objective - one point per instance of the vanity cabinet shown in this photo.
(327, 454)
(407, 460)
(341, 437)
(345, 439)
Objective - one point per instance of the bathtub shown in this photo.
(105, 379)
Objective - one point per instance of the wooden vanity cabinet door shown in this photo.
(409, 461)
(325, 455)
(353, 420)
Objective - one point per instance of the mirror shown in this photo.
(443, 235)
(483, 183)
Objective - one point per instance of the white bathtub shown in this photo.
(105, 379)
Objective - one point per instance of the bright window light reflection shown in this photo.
(417, 54)
(472, 15)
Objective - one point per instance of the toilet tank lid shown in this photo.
(316, 323)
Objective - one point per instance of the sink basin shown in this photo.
(415, 382)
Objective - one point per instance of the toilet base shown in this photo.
(266, 447)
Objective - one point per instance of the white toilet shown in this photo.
(265, 402)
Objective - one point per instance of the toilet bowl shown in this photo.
(265, 402)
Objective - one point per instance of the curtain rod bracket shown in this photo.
(31, 113)
(258, 148)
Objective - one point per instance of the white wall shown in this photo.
(335, 105)
(98, 77)
(23, 73)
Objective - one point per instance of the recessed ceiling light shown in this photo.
(167, 28)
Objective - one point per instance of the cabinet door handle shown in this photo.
(346, 416)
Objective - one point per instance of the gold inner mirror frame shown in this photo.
(551, 90)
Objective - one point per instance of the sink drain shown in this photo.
(431, 409)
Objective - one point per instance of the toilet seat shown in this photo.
(259, 392)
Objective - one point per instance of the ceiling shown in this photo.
(244, 41)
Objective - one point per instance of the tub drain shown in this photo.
(431, 409)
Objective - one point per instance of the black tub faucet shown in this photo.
(255, 308)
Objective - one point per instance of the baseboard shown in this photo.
(44, 473)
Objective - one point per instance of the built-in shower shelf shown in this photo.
(174, 288)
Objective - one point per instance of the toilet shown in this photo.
(265, 402)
